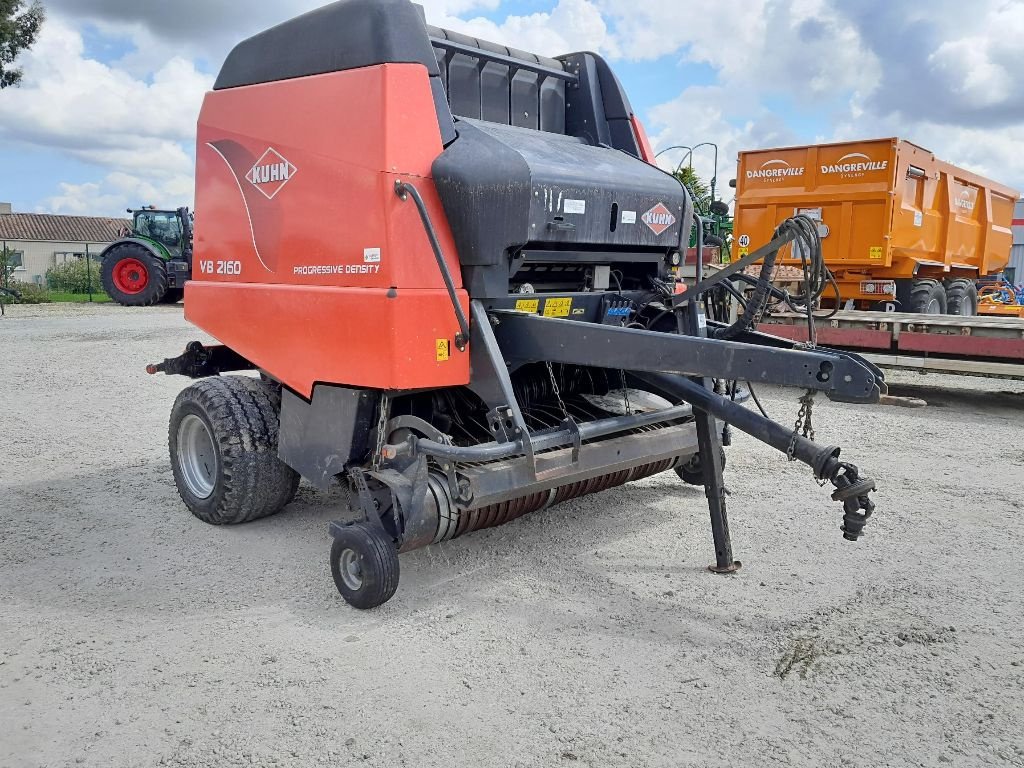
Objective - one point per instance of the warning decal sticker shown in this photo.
(557, 307)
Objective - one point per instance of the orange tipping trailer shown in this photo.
(898, 225)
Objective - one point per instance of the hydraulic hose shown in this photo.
(806, 244)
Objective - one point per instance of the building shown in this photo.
(1015, 270)
(42, 240)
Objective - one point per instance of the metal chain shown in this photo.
(803, 425)
(382, 425)
(554, 387)
(625, 392)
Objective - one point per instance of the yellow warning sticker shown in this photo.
(744, 252)
(528, 305)
(444, 350)
(557, 307)
(875, 252)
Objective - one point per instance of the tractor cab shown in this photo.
(163, 227)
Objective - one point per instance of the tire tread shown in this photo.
(157, 275)
(255, 483)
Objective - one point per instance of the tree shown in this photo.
(699, 191)
(19, 27)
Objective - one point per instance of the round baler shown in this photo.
(453, 287)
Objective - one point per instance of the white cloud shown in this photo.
(119, 191)
(861, 68)
(572, 25)
(134, 128)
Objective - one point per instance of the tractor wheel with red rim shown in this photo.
(132, 276)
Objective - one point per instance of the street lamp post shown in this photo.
(689, 156)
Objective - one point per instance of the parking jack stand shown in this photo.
(714, 489)
(710, 447)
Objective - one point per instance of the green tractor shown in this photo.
(152, 262)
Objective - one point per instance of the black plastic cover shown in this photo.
(343, 35)
(504, 187)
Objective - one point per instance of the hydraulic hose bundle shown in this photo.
(802, 234)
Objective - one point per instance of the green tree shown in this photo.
(693, 183)
(19, 27)
(6, 267)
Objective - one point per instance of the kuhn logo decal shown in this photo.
(270, 173)
(773, 169)
(855, 163)
(658, 219)
(257, 195)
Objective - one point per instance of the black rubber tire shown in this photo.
(377, 560)
(714, 241)
(692, 472)
(156, 287)
(173, 296)
(242, 415)
(962, 298)
(927, 297)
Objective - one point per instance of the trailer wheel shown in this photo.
(173, 296)
(927, 297)
(223, 445)
(364, 563)
(962, 298)
(691, 471)
(132, 276)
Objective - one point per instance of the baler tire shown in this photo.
(692, 472)
(153, 288)
(960, 295)
(364, 564)
(241, 419)
(925, 294)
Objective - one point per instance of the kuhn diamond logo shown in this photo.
(658, 219)
(271, 173)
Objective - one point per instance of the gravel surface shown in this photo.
(131, 634)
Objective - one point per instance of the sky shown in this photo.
(105, 118)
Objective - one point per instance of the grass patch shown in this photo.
(77, 298)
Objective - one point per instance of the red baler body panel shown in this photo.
(306, 261)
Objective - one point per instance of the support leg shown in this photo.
(714, 489)
(710, 447)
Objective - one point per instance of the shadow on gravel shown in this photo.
(121, 540)
(977, 401)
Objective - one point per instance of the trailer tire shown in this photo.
(962, 298)
(132, 276)
(691, 471)
(364, 564)
(223, 444)
(927, 297)
(173, 296)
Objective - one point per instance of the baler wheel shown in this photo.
(364, 563)
(223, 446)
(691, 472)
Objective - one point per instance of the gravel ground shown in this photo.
(131, 634)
